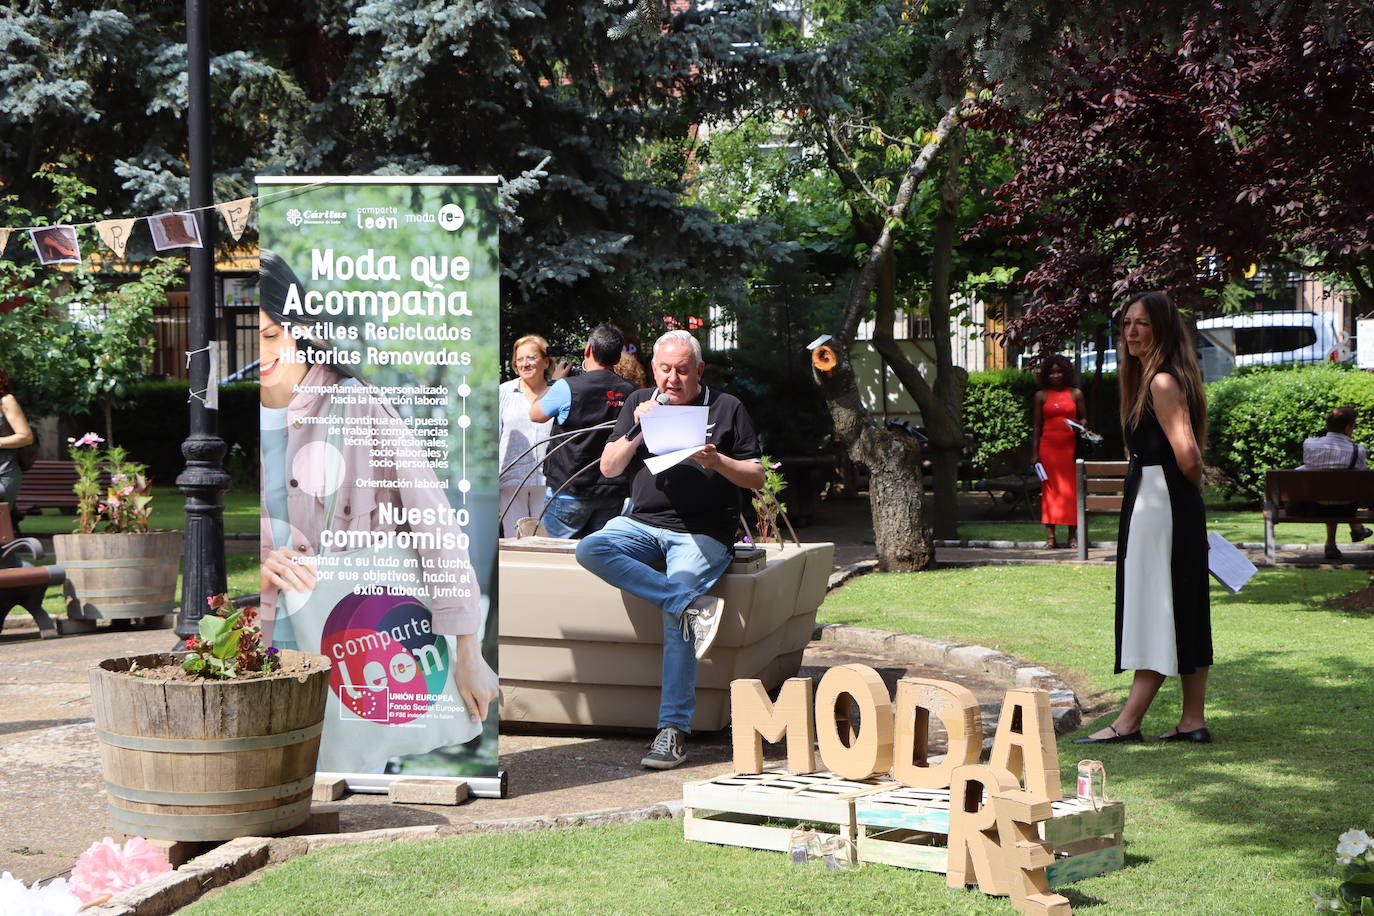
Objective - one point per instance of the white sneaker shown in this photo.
(701, 622)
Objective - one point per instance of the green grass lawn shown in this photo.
(1236, 520)
(1246, 825)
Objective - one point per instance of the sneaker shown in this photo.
(667, 750)
(1360, 534)
(701, 622)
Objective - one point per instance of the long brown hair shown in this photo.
(1171, 348)
(6, 387)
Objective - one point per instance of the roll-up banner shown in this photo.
(379, 368)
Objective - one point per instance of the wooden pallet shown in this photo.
(760, 811)
(909, 828)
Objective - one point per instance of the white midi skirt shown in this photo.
(1147, 612)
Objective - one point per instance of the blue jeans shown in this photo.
(575, 517)
(625, 553)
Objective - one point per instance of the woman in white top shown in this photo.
(522, 480)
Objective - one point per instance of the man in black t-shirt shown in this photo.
(683, 522)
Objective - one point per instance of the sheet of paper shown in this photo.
(669, 429)
(1230, 567)
(660, 463)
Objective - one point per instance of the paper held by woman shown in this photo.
(1227, 564)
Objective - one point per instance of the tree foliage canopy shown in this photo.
(531, 90)
(1179, 167)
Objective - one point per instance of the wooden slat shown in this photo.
(1102, 503)
(1107, 485)
(732, 829)
(904, 849)
(1106, 468)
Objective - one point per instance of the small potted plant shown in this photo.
(117, 569)
(213, 743)
(769, 509)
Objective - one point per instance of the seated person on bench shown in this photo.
(1337, 451)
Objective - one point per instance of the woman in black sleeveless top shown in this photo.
(1163, 622)
(14, 435)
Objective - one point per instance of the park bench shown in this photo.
(1296, 496)
(23, 584)
(1101, 486)
(48, 485)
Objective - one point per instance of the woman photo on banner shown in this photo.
(363, 559)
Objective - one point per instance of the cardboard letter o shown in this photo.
(870, 752)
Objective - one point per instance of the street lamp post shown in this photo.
(204, 479)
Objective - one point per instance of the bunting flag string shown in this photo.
(57, 244)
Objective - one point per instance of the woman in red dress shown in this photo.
(1052, 443)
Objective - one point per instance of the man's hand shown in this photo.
(476, 683)
(562, 369)
(644, 409)
(708, 457)
(279, 570)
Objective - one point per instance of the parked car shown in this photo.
(1264, 338)
(1087, 360)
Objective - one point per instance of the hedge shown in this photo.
(997, 417)
(1258, 419)
(153, 421)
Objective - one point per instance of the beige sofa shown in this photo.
(575, 651)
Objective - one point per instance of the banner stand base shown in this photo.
(378, 783)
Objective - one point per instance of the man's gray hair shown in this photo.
(682, 338)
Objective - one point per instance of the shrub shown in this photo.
(1257, 420)
(997, 416)
(153, 419)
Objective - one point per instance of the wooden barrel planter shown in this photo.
(208, 760)
(119, 576)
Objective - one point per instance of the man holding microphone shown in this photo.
(683, 520)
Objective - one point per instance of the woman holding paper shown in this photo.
(1052, 443)
(1163, 611)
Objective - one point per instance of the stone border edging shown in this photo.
(1112, 545)
(1064, 705)
(238, 858)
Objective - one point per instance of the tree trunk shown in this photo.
(109, 419)
(893, 462)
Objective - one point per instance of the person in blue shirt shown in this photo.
(582, 500)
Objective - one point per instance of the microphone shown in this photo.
(660, 398)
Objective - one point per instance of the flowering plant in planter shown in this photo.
(121, 507)
(230, 643)
(767, 507)
(1355, 851)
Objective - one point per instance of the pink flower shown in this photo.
(107, 869)
(90, 439)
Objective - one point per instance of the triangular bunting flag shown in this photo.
(56, 245)
(235, 214)
(115, 234)
(4, 240)
(175, 230)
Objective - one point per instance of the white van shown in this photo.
(1264, 338)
